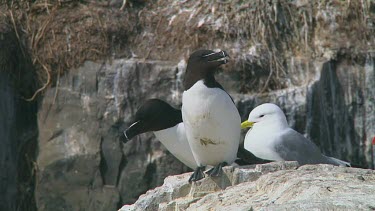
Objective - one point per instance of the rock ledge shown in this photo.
(277, 185)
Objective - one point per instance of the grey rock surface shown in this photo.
(81, 131)
(273, 186)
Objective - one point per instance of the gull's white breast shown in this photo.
(260, 141)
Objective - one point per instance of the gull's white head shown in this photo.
(267, 114)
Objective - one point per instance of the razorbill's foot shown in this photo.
(197, 174)
(217, 170)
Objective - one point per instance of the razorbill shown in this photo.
(271, 138)
(211, 119)
(166, 123)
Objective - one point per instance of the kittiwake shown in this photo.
(271, 138)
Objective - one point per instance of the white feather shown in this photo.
(260, 142)
(174, 139)
(212, 124)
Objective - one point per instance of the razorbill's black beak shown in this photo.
(220, 57)
(126, 136)
(131, 131)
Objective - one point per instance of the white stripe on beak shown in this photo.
(126, 136)
(209, 54)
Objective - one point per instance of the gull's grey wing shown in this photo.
(293, 146)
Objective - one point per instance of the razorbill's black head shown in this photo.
(153, 115)
(202, 64)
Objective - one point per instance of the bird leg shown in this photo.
(217, 170)
(197, 174)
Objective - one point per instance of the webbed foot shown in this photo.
(197, 174)
(217, 170)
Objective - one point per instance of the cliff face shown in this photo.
(81, 128)
(315, 60)
(272, 186)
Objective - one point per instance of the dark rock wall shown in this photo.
(340, 109)
(8, 154)
(18, 124)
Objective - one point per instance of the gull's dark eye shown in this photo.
(261, 116)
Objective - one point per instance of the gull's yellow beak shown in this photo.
(246, 124)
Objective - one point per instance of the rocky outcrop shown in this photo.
(272, 186)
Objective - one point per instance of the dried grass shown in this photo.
(276, 30)
(62, 34)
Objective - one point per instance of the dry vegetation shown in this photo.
(61, 35)
(260, 35)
